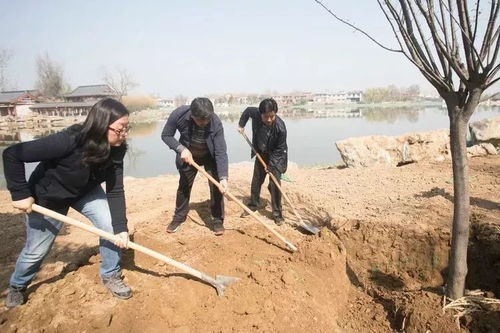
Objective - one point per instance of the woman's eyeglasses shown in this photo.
(123, 131)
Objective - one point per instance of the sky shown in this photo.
(201, 47)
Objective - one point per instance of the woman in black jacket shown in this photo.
(73, 164)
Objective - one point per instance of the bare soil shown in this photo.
(378, 264)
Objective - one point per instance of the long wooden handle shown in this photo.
(242, 205)
(132, 245)
(261, 160)
(273, 178)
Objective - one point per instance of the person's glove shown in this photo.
(122, 240)
(224, 184)
(24, 204)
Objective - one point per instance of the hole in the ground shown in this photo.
(484, 257)
(391, 264)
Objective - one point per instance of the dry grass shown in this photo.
(139, 102)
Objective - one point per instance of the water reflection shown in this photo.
(141, 129)
(391, 115)
(387, 115)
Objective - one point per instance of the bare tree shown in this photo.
(412, 92)
(120, 81)
(5, 56)
(455, 48)
(50, 80)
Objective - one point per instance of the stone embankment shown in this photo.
(368, 151)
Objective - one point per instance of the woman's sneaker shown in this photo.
(116, 286)
(16, 296)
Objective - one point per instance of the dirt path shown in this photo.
(376, 266)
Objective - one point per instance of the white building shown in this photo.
(17, 103)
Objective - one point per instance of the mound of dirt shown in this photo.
(377, 265)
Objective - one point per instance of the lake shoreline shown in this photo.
(35, 121)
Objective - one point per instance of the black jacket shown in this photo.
(276, 149)
(180, 119)
(60, 179)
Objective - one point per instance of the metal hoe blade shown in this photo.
(222, 282)
(309, 227)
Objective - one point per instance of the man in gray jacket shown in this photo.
(201, 140)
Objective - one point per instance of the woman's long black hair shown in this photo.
(93, 136)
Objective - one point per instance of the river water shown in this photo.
(311, 137)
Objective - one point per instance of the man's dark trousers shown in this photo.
(259, 174)
(187, 175)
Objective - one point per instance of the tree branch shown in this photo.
(449, 47)
(489, 29)
(454, 60)
(468, 40)
(463, 16)
(476, 16)
(432, 80)
(453, 28)
(357, 29)
(492, 83)
(407, 6)
(491, 75)
(416, 52)
(487, 97)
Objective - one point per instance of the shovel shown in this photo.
(219, 283)
(306, 226)
(289, 245)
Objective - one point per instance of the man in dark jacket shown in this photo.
(269, 140)
(201, 140)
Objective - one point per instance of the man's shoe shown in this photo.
(173, 226)
(245, 213)
(116, 286)
(218, 228)
(16, 296)
(278, 220)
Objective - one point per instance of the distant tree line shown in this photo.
(391, 94)
(51, 83)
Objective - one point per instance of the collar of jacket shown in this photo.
(187, 118)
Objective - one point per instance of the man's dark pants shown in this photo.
(187, 175)
(259, 174)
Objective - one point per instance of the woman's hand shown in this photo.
(122, 240)
(24, 204)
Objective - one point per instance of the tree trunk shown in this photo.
(457, 268)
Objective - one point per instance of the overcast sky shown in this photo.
(198, 47)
